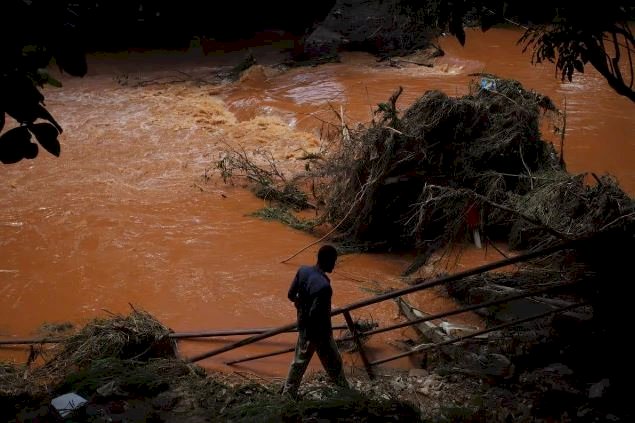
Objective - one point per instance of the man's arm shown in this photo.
(295, 286)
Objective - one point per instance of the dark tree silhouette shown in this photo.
(568, 33)
(575, 38)
(41, 31)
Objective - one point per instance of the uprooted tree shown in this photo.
(413, 179)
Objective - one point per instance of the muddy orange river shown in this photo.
(133, 213)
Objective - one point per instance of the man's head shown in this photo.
(326, 258)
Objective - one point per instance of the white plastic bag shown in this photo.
(67, 403)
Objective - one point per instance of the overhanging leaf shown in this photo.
(16, 135)
(23, 112)
(21, 88)
(71, 60)
(46, 135)
(459, 33)
(35, 57)
(456, 29)
(14, 145)
(579, 66)
(44, 114)
(456, 22)
(30, 150)
(488, 20)
(21, 99)
(48, 79)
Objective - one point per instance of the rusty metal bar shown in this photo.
(477, 333)
(177, 335)
(258, 356)
(358, 342)
(243, 342)
(232, 332)
(397, 293)
(23, 341)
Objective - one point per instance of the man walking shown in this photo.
(311, 293)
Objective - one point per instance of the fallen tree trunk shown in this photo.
(428, 330)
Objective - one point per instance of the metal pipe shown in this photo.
(243, 342)
(256, 357)
(176, 335)
(22, 341)
(231, 332)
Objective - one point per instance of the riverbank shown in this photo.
(132, 374)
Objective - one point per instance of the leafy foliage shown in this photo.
(564, 32)
(41, 32)
(576, 37)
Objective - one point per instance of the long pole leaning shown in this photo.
(259, 356)
(176, 335)
(397, 293)
(231, 332)
(243, 342)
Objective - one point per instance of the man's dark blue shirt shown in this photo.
(311, 292)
